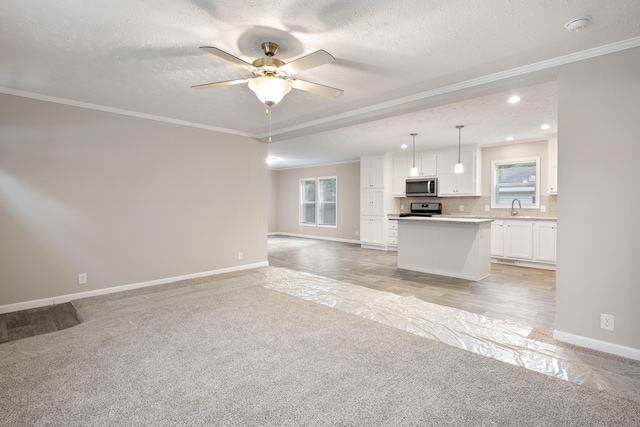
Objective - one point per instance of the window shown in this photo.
(318, 201)
(515, 179)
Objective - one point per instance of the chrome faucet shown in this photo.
(514, 212)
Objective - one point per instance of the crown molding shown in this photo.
(122, 112)
(491, 78)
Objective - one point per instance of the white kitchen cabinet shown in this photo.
(372, 230)
(518, 242)
(372, 171)
(552, 146)
(544, 241)
(375, 185)
(497, 238)
(372, 202)
(401, 169)
(524, 242)
(392, 237)
(458, 184)
(428, 164)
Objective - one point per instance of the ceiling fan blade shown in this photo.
(220, 84)
(228, 57)
(316, 88)
(315, 59)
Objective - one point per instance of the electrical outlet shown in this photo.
(240, 255)
(402, 208)
(487, 208)
(461, 208)
(82, 279)
(607, 322)
(543, 208)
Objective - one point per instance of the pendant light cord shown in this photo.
(459, 137)
(414, 149)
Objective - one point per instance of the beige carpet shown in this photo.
(227, 351)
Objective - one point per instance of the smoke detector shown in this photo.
(577, 23)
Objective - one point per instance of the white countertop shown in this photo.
(470, 217)
(443, 218)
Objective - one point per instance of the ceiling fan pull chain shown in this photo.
(269, 114)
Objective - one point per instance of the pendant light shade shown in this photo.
(414, 169)
(459, 168)
(270, 90)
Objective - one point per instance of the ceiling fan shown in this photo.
(273, 78)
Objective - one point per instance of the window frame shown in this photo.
(317, 202)
(495, 164)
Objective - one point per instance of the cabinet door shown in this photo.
(401, 168)
(372, 172)
(544, 241)
(372, 230)
(519, 239)
(465, 182)
(454, 184)
(497, 238)
(428, 164)
(371, 202)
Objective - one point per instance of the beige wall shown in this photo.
(598, 233)
(287, 183)
(514, 151)
(124, 200)
(272, 209)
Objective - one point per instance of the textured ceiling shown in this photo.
(406, 66)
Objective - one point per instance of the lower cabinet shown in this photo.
(392, 238)
(372, 230)
(497, 238)
(544, 241)
(518, 240)
(523, 242)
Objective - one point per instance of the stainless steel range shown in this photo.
(423, 209)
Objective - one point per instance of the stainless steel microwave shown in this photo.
(421, 186)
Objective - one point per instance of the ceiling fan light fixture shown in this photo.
(270, 90)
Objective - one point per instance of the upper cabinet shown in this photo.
(401, 168)
(372, 172)
(553, 164)
(441, 164)
(459, 184)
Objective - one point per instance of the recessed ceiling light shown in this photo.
(404, 146)
(545, 126)
(513, 100)
(509, 138)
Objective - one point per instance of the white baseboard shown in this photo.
(9, 308)
(307, 236)
(607, 347)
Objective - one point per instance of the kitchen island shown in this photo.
(455, 247)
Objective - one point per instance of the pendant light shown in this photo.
(414, 169)
(459, 168)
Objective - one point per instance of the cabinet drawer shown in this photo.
(393, 240)
(393, 233)
(393, 224)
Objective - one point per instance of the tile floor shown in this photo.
(37, 321)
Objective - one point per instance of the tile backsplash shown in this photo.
(475, 206)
